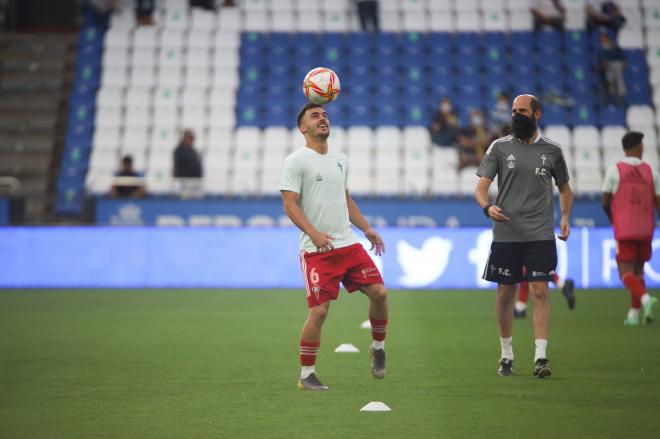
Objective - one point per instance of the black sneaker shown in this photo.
(542, 368)
(377, 362)
(519, 314)
(506, 368)
(569, 293)
(311, 383)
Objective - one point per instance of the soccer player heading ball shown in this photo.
(525, 164)
(316, 199)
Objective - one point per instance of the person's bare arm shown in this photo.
(481, 196)
(357, 219)
(291, 201)
(565, 206)
(606, 202)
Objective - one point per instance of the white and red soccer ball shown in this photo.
(321, 85)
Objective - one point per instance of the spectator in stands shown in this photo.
(612, 63)
(444, 127)
(124, 189)
(548, 13)
(144, 10)
(472, 140)
(101, 10)
(204, 4)
(228, 4)
(368, 13)
(186, 159)
(604, 13)
(500, 116)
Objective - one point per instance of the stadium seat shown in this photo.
(414, 20)
(586, 137)
(336, 21)
(612, 115)
(445, 181)
(117, 58)
(283, 20)
(170, 58)
(163, 139)
(108, 118)
(117, 38)
(640, 115)
(166, 97)
(492, 5)
(588, 183)
(175, 19)
(169, 78)
(495, 20)
(554, 115)
(110, 97)
(468, 180)
(559, 134)
(631, 38)
(521, 20)
(106, 138)
(123, 19)
(583, 114)
(611, 137)
(442, 21)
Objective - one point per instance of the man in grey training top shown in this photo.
(524, 247)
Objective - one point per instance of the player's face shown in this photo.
(523, 105)
(317, 123)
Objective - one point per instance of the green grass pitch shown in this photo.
(224, 364)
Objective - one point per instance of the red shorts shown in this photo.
(350, 265)
(633, 251)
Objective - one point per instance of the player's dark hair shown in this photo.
(631, 140)
(127, 160)
(304, 109)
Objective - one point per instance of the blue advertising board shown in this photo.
(208, 257)
(439, 212)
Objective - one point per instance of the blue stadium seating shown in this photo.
(554, 115)
(612, 115)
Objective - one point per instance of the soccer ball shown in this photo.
(321, 85)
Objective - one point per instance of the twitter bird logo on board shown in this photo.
(423, 266)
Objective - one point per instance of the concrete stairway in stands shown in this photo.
(36, 72)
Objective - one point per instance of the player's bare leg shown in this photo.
(310, 340)
(378, 315)
(541, 322)
(506, 296)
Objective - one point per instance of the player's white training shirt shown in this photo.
(612, 177)
(320, 180)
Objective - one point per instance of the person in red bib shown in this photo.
(631, 192)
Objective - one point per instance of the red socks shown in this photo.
(378, 329)
(308, 351)
(555, 279)
(636, 287)
(523, 292)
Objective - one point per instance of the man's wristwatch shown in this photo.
(486, 207)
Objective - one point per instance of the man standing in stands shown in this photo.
(604, 13)
(186, 160)
(316, 199)
(525, 164)
(548, 13)
(631, 193)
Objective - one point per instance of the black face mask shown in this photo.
(522, 126)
